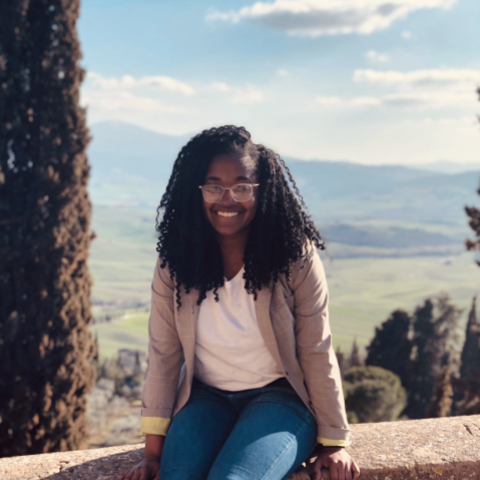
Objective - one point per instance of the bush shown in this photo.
(373, 394)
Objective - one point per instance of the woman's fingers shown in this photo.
(135, 475)
(348, 471)
(356, 470)
(317, 468)
(145, 474)
(342, 468)
(145, 470)
(334, 471)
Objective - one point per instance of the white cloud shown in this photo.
(425, 89)
(220, 87)
(377, 57)
(328, 101)
(455, 122)
(157, 82)
(398, 100)
(121, 101)
(314, 18)
(393, 100)
(281, 72)
(239, 95)
(419, 78)
(365, 102)
(247, 97)
(148, 100)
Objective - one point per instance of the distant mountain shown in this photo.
(131, 166)
(132, 150)
(443, 166)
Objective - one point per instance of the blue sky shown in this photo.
(370, 81)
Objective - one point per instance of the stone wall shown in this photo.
(415, 449)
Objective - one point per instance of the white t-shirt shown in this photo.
(230, 353)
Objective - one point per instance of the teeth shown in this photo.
(228, 214)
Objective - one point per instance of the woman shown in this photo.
(239, 323)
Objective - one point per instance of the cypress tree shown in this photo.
(467, 389)
(45, 347)
(441, 405)
(355, 360)
(425, 362)
(434, 346)
(342, 361)
(470, 359)
(391, 346)
(473, 215)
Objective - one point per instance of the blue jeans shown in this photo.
(259, 434)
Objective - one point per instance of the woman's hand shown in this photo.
(149, 467)
(145, 470)
(338, 461)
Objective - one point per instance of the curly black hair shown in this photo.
(186, 240)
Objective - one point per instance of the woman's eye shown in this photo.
(241, 188)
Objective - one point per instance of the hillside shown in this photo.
(131, 166)
(394, 234)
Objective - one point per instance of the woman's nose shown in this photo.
(227, 198)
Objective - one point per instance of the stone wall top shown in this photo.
(414, 449)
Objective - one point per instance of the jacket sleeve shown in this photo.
(315, 350)
(164, 357)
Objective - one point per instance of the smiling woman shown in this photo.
(230, 206)
(239, 297)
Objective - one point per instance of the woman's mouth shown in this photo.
(227, 214)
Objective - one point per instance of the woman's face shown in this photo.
(227, 216)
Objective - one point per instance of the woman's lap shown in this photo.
(261, 434)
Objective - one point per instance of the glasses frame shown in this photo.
(253, 185)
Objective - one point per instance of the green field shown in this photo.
(363, 291)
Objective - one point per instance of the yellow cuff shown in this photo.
(332, 443)
(154, 426)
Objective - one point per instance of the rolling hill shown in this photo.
(394, 234)
(131, 166)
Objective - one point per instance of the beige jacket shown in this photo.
(293, 320)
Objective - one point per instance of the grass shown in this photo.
(130, 333)
(363, 291)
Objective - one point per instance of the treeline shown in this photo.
(414, 366)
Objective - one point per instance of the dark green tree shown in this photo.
(342, 361)
(391, 346)
(441, 405)
(45, 347)
(470, 358)
(373, 394)
(355, 359)
(435, 340)
(473, 215)
(467, 389)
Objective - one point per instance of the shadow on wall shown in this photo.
(415, 449)
(108, 467)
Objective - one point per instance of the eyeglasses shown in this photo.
(241, 192)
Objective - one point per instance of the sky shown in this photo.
(367, 81)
